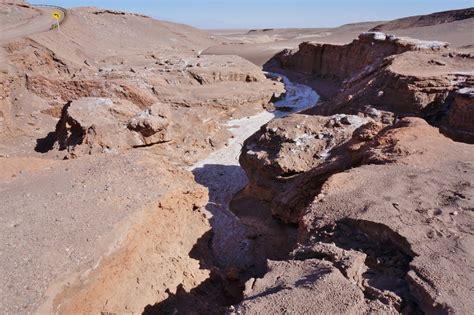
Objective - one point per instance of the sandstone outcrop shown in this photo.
(289, 146)
(165, 66)
(89, 125)
(360, 57)
(99, 125)
(388, 203)
(152, 124)
(405, 76)
(427, 223)
(81, 211)
(398, 195)
(152, 259)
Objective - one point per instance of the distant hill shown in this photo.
(426, 20)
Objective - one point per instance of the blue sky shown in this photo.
(271, 13)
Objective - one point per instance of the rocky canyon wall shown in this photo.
(405, 76)
(382, 199)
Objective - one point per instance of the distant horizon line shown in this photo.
(176, 21)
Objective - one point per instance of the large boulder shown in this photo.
(152, 124)
(289, 146)
(99, 125)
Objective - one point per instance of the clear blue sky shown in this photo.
(271, 13)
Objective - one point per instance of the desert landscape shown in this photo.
(151, 167)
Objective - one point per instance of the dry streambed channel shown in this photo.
(234, 241)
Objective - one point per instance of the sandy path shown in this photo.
(224, 177)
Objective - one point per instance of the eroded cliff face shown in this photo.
(341, 62)
(387, 207)
(405, 76)
(383, 202)
(151, 261)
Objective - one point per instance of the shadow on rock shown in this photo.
(43, 145)
(224, 286)
(212, 296)
(230, 242)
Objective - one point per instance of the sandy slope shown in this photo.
(459, 34)
(259, 46)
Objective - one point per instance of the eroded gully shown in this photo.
(233, 244)
(237, 246)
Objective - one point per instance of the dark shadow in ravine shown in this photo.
(223, 287)
(229, 242)
(213, 176)
(210, 297)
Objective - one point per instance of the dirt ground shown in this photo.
(172, 175)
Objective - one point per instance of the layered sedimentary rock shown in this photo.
(363, 55)
(399, 195)
(385, 201)
(164, 67)
(405, 76)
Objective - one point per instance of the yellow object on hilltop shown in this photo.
(56, 15)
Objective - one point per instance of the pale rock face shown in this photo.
(317, 284)
(94, 125)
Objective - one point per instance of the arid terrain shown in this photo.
(276, 171)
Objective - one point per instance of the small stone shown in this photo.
(345, 120)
